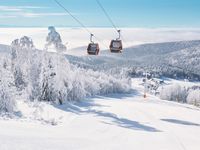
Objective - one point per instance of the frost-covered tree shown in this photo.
(21, 50)
(54, 39)
(27, 67)
(49, 92)
(7, 102)
(53, 79)
(35, 75)
(26, 43)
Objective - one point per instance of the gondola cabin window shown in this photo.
(116, 44)
(93, 47)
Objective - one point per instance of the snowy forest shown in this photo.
(28, 74)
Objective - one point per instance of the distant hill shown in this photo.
(182, 56)
(188, 59)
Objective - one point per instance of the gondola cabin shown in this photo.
(93, 49)
(116, 46)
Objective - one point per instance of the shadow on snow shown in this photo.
(88, 107)
(182, 122)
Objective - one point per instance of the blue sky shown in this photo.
(124, 13)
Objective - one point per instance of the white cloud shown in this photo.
(26, 12)
(30, 15)
(31, 7)
(41, 14)
(18, 8)
(10, 8)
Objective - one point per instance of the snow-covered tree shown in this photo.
(21, 50)
(49, 92)
(54, 39)
(35, 75)
(7, 102)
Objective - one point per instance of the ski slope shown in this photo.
(108, 122)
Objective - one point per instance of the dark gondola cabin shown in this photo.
(116, 45)
(93, 48)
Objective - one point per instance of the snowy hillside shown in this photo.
(188, 58)
(167, 58)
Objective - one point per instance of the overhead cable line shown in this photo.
(78, 21)
(107, 15)
(109, 18)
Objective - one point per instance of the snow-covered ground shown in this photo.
(118, 121)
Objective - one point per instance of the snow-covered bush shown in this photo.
(194, 97)
(174, 92)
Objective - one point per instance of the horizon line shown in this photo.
(65, 26)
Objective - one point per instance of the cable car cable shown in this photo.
(78, 21)
(109, 18)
